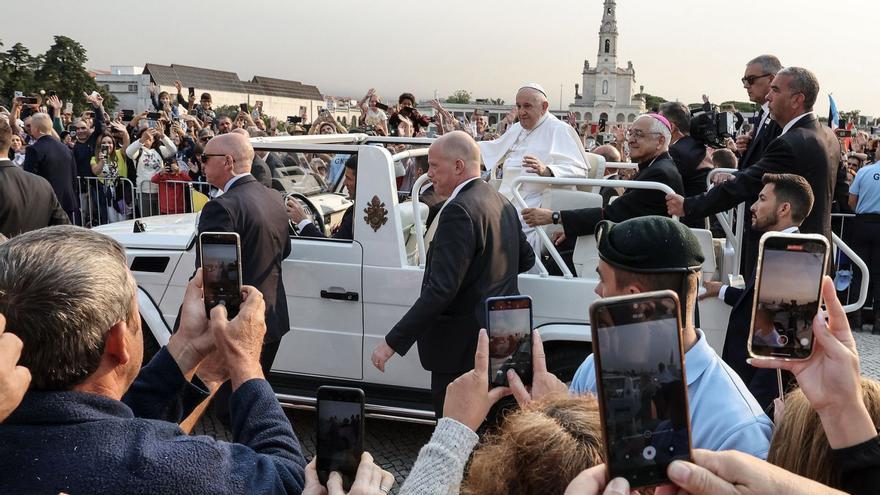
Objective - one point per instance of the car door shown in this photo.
(323, 283)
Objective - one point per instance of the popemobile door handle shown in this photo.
(339, 294)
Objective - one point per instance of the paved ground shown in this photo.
(395, 445)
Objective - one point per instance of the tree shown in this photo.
(741, 106)
(63, 71)
(17, 67)
(460, 96)
(652, 102)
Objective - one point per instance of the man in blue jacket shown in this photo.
(93, 420)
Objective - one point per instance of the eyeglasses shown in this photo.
(637, 134)
(749, 80)
(204, 156)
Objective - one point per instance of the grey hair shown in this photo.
(802, 81)
(61, 289)
(769, 63)
(678, 114)
(659, 127)
(42, 122)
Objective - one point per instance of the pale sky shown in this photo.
(680, 48)
(790, 275)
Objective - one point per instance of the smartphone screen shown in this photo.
(340, 441)
(221, 271)
(243, 107)
(641, 385)
(381, 106)
(787, 295)
(192, 91)
(509, 325)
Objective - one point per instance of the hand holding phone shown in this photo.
(787, 295)
(509, 325)
(340, 433)
(220, 256)
(642, 392)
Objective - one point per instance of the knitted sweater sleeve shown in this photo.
(440, 465)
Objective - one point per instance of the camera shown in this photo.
(712, 127)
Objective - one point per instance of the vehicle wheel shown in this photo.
(151, 347)
(564, 358)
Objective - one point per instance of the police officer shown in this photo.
(864, 199)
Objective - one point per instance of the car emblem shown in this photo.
(377, 214)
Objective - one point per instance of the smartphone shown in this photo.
(788, 290)
(220, 254)
(381, 106)
(127, 115)
(105, 148)
(28, 100)
(68, 107)
(293, 119)
(844, 133)
(154, 115)
(192, 91)
(243, 107)
(641, 385)
(509, 325)
(340, 441)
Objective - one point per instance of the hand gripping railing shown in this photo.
(725, 219)
(545, 239)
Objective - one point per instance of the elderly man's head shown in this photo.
(41, 125)
(758, 75)
(531, 105)
(453, 159)
(792, 92)
(648, 137)
(226, 156)
(67, 294)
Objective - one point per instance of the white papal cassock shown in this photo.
(552, 141)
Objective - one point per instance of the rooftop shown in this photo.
(218, 80)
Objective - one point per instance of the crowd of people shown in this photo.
(80, 413)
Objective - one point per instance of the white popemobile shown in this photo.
(344, 296)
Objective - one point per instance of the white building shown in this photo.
(281, 98)
(609, 92)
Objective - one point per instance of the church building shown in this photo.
(609, 91)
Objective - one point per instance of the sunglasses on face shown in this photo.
(204, 156)
(749, 80)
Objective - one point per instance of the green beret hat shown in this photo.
(650, 244)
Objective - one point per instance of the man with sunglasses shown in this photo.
(804, 147)
(756, 81)
(258, 216)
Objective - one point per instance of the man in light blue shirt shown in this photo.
(656, 253)
(864, 199)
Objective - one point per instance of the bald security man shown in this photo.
(258, 215)
(478, 250)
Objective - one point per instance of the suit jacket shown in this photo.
(260, 170)
(478, 250)
(688, 154)
(344, 231)
(761, 382)
(807, 149)
(756, 147)
(27, 202)
(258, 215)
(52, 160)
(632, 203)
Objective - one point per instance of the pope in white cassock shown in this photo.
(538, 145)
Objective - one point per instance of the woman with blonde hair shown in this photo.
(799, 443)
(538, 449)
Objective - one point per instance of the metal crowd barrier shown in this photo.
(105, 200)
(731, 222)
(171, 197)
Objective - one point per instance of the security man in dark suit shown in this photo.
(648, 139)
(27, 201)
(804, 148)
(756, 80)
(257, 214)
(345, 230)
(782, 205)
(51, 159)
(477, 252)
